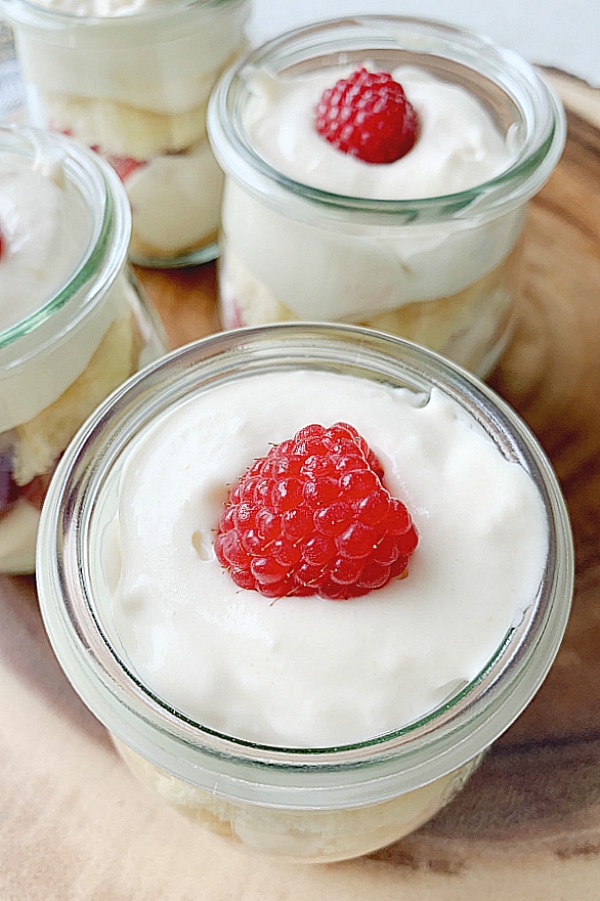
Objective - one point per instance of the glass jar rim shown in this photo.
(340, 776)
(106, 250)
(31, 13)
(523, 178)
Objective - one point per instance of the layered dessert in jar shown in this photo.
(340, 604)
(131, 79)
(73, 325)
(378, 173)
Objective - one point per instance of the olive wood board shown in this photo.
(75, 824)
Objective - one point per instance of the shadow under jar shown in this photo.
(426, 247)
(257, 735)
(132, 81)
(74, 323)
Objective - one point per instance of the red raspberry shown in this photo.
(367, 115)
(313, 517)
(125, 165)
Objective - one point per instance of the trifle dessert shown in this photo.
(73, 325)
(339, 603)
(131, 79)
(378, 170)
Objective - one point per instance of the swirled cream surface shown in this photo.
(458, 146)
(307, 671)
(45, 228)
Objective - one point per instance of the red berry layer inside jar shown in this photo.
(10, 493)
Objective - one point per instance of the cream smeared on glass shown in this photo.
(305, 671)
(45, 229)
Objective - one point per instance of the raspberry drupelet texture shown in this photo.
(368, 116)
(313, 517)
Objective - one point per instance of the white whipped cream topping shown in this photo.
(458, 145)
(307, 671)
(45, 227)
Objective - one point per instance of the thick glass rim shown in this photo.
(31, 13)
(106, 250)
(438, 743)
(534, 164)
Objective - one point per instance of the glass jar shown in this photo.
(132, 81)
(310, 804)
(440, 270)
(90, 328)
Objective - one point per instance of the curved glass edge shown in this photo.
(205, 254)
(106, 250)
(244, 769)
(526, 176)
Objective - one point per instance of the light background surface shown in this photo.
(564, 34)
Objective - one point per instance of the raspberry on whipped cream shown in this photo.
(132, 80)
(71, 324)
(331, 212)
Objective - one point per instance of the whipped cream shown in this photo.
(306, 671)
(45, 228)
(458, 146)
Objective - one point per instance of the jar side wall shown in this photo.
(108, 347)
(301, 836)
(450, 288)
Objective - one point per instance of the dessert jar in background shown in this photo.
(426, 247)
(132, 81)
(73, 323)
(251, 724)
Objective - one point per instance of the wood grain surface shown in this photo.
(76, 825)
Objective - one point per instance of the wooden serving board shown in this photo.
(74, 824)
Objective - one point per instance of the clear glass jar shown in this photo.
(91, 329)
(300, 804)
(440, 270)
(133, 83)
